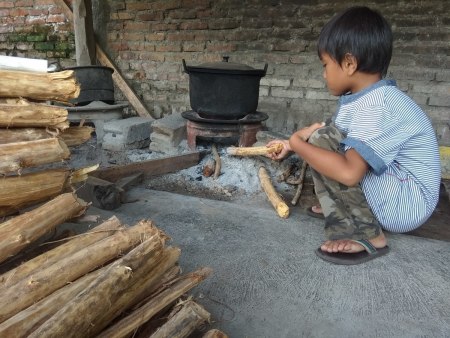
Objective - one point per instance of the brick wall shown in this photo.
(148, 40)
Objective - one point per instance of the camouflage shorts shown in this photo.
(347, 214)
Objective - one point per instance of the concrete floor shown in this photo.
(267, 281)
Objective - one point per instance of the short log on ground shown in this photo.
(59, 86)
(19, 155)
(275, 199)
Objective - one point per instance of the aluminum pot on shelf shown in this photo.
(224, 90)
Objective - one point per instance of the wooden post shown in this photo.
(84, 33)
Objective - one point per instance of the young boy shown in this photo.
(376, 166)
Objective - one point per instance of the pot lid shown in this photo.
(225, 65)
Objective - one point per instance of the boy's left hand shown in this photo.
(306, 132)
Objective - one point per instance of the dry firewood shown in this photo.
(18, 155)
(209, 167)
(217, 160)
(160, 301)
(25, 322)
(45, 281)
(250, 151)
(71, 136)
(81, 316)
(146, 278)
(279, 205)
(18, 232)
(51, 257)
(59, 86)
(28, 114)
(188, 317)
(28, 189)
(300, 184)
(75, 136)
(214, 333)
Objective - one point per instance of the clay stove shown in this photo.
(244, 128)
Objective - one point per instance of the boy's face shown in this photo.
(338, 82)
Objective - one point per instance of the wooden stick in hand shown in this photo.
(251, 151)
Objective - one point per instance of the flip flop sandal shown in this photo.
(314, 214)
(353, 258)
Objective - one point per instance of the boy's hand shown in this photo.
(281, 154)
(306, 132)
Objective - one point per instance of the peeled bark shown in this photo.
(189, 317)
(18, 232)
(15, 156)
(23, 113)
(128, 324)
(214, 333)
(59, 86)
(45, 281)
(107, 228)
(75, 136)
(279, 205)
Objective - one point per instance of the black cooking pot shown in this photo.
(96, 84)
(224, 90)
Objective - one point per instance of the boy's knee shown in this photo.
(326, 137)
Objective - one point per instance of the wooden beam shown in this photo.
(151, 167)
(118, 79)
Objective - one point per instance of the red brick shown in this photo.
(133, 36)
(168, 48)
(24, 3)
(35, 20)
(155, 37)
(152, 16)
(165, 5)
(56, 18)
(180, 36)
(139, 6)
(6, 4)
(193, 25)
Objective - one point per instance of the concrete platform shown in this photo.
(267, 281)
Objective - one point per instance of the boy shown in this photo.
(376, 166)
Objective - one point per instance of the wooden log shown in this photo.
(45, 281)
(22, 113)
(160, 301)
(145, 280)
(80, 317)
(107, 228)
(25, 322)
(214, 333)
(71, 136)
(18, 155)
(279, 205)
(59, 86)
(25, 190)
(188, 317)
(217, 160)
(151, 167)
(252, 151)
(18, 232)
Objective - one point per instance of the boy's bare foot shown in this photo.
(348, 246)
(317, 209)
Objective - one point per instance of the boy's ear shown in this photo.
(349, 64)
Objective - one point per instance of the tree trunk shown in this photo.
(184, 322)
(18, 232)
(80, 316)
(71, 136)
(15, 156)
(107, 228)
(58, 86)
(279, 205)
(127, 325)
(23, 113)
(45, 281)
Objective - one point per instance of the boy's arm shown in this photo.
(348, 168)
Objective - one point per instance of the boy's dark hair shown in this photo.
(361, 32)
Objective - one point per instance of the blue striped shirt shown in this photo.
(396, 138)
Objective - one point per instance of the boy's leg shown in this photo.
(347, 214)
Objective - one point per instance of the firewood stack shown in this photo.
(112, 281)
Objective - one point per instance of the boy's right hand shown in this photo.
(282, 153)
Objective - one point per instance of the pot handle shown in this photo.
(184, 66)
(265, 69)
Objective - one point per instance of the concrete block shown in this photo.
(173, 126)
(131, 130)
(117, 142)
